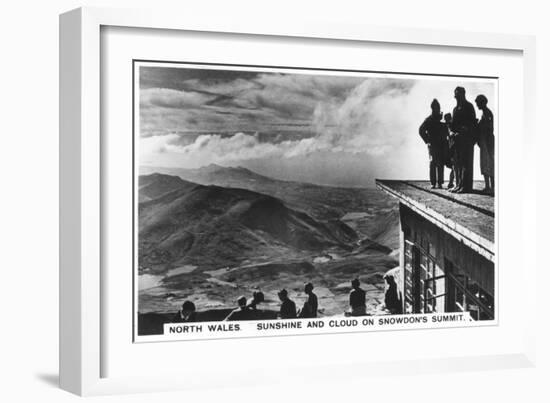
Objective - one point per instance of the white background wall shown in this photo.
(29, 201)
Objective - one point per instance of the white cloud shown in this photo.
(377, 118)
(169, 98)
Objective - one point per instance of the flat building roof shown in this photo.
(469, 217)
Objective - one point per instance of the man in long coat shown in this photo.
(463, 126)
(434, 133)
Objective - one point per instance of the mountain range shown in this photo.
(212, 234)
(323, 202)
(156, 185)
(185, 223)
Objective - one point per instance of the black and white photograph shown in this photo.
(303, 201)
(296, 198)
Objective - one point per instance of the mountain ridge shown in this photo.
(155, 185)
(186, 225)
(379, 222)
(211, 244)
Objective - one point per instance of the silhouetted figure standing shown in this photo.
(434, 134)
(357, 299)
(288, 307)
(450, 158)
(242, 312)
(486, 141)
(252, 305)
(187, 313)
(309, 310)
(463, 127)
(391, 299)
(257, 298)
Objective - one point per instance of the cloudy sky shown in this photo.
(327, 129)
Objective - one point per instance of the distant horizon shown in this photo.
(329, 129)
(158, 170)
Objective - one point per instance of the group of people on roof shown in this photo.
(451, 143)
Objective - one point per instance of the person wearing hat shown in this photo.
(187, 313)
(309, 310)
(288, 307)
(357, 299)
(434, 134)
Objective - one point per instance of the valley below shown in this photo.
(213, 234)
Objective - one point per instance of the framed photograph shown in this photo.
(242, 195)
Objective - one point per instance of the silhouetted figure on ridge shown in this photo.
(187, 313)
(434, 134)
(309, 310)
(391, 298)
(357, 299)
(242, 312)
(257, 298)
(288, 307)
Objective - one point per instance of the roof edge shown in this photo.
(480, 244)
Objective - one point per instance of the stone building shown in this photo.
(447, 249)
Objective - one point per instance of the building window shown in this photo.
(466, 295)
(424, 281)
(409, 276)
(432, 284)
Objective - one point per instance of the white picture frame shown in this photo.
(81, 184)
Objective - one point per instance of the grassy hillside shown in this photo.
(213, 226)
(211, 244)
(155, 185)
